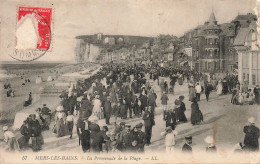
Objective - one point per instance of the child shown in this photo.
(10, 139)
(69, 123)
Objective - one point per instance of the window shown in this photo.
(206, 65)
(244, 76)
(216, 52)
(253, 80)
(210, 41)
(210, 52)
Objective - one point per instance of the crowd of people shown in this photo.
(125, 91)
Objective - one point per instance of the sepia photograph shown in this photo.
(129, 81)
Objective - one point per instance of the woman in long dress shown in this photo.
(196, 114)
(192, 92)
(219, 87)
(60, 120)
(97, 108)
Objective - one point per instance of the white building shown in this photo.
(248, 51)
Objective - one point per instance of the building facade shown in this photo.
(247, 47)
(211, 44)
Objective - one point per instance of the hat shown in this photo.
(188, 137)
(128, 125)
(251, 120)
(59, 108)
(168, 129)
(181, 97)
(139, 125)
(44, 104)
(209, 139)
(5, 128)
(93, 119)
(97, 96)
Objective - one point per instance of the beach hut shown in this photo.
(38, 80)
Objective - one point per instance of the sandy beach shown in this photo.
(16, 77)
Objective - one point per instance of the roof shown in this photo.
(241, 37)
(212, 19)
(248, 16)
(227, 29)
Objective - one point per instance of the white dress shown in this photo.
(219, 88)
(97, 108)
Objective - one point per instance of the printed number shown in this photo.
(24, 157)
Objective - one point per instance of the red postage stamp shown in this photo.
(36, 22)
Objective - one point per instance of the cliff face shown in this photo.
(86, 52)
(89, 48)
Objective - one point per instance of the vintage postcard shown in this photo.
(129, 81)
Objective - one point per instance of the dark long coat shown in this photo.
(196, 115)
(251, 138)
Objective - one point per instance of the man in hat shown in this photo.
(107, 109)
(126, 138)
(84, 134)
(139, 136)
(169, 138)
(211, 145)
(164, 100)
(10, 139)
(148, 124)
(152, 100)
(187, 146)
(252, 134)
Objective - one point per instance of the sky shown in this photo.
(117, 17)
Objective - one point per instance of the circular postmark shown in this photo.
(43, 32)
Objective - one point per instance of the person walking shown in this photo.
(252, 134)
(181, 113)
(192, 92)
(10, 139)
(208, 89)
(198, 90)
(107, 110)
(196, 114)
(60, 120)
(35, 131)
(169, 139)
(84, 134)
(148, 124)
(164, 100)
(70, 123)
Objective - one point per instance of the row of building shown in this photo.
(208, 48)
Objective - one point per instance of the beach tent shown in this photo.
(19, 119)
(49, 78)
(38, 80)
